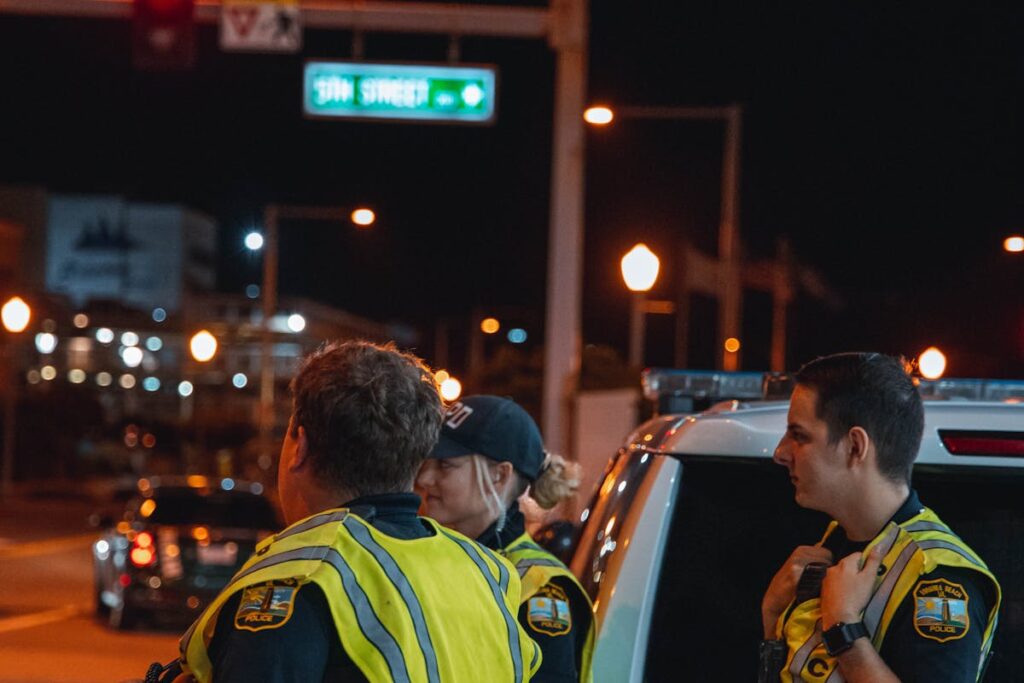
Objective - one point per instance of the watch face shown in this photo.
(834, 639)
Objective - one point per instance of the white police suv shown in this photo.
(692, 519)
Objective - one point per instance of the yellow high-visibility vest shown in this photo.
(440, 609)
(536, 567)
(919, 545)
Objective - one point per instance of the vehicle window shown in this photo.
(234, 510)
(610, 503)
(735, 523)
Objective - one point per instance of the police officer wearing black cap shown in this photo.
(489, 454)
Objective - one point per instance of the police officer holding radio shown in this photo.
(889, 593)
(359, 587)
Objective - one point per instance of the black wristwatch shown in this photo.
(841, 637)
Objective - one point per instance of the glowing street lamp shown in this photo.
(931, 363)
(16, 314)
(203, 346)
(451, 389)
(489, 325)
(254, 241)
(1014, 244)
(598, 115)
(363, 217)
(640, 268)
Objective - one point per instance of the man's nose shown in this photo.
(781, 454)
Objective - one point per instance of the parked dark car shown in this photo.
(177, 545)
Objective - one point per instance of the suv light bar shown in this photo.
(1008, 390)
(687, 391)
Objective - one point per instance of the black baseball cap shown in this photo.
(494, 427)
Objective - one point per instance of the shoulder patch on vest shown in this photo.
(266, 605)
(548, 611)
(940, 610)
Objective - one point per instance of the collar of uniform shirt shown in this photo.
(515, 526)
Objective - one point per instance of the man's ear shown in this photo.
(301, 458)
(859, 443)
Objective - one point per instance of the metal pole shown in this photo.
(731, 304)
(780, 300)
(565, 238)
(637, 323)
(10, 425)
(268, 294)
(682, 348)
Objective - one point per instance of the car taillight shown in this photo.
(972, 442)
(143, 553)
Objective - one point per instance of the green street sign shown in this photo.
(405, 92)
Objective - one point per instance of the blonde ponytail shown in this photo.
(560, 479)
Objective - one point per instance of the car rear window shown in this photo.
(238, 510)
(734, 525)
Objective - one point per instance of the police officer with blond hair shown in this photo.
(490, 453)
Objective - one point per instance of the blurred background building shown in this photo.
(109, 375)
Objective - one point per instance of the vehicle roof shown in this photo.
(738, 429)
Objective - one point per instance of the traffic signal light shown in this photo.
(163, 34)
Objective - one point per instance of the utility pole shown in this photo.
(562, 333)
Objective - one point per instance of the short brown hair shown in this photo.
(875, 392)
(371, 414)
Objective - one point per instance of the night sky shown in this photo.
(883, 143)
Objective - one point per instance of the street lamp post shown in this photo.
(640, 268)
(15, 315)
(729, 288)
(272, 215)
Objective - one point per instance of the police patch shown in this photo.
(940, 610)
(548, 611)
(266, 605)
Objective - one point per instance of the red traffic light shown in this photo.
(163, 34)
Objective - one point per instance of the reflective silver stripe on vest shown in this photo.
(835, 676)
(502, 572)
(929, 526)
(510, 625)
(523, 566)
(804, 653)
(312, 523)
(880, 598)
(926, 545)
(312, 552)
(369, 622)
(363, 537)
(525, 544)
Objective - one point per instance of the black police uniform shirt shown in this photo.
(563, 653)
(913, 657)
(305, 647)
